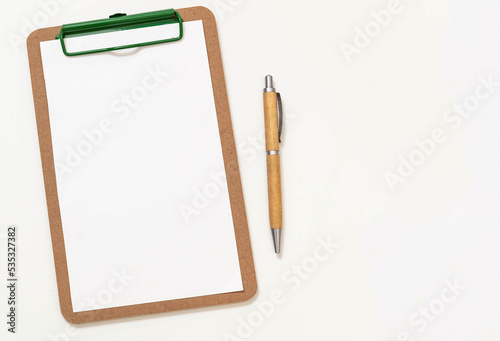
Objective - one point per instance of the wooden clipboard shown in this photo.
(231, 169)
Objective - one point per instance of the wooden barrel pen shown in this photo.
(272, 103)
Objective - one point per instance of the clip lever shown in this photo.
(280, 115)
(120, 22)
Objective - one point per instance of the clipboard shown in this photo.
(48, 141)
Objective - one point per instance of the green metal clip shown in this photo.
(120, 22)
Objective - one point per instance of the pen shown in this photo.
(273, 109)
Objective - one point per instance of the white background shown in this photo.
(347, 125)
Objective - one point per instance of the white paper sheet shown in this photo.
(144, 202)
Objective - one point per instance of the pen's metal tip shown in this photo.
(277, 240)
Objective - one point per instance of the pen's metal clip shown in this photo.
(280, 115)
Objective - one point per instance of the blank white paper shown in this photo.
(140, 176)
